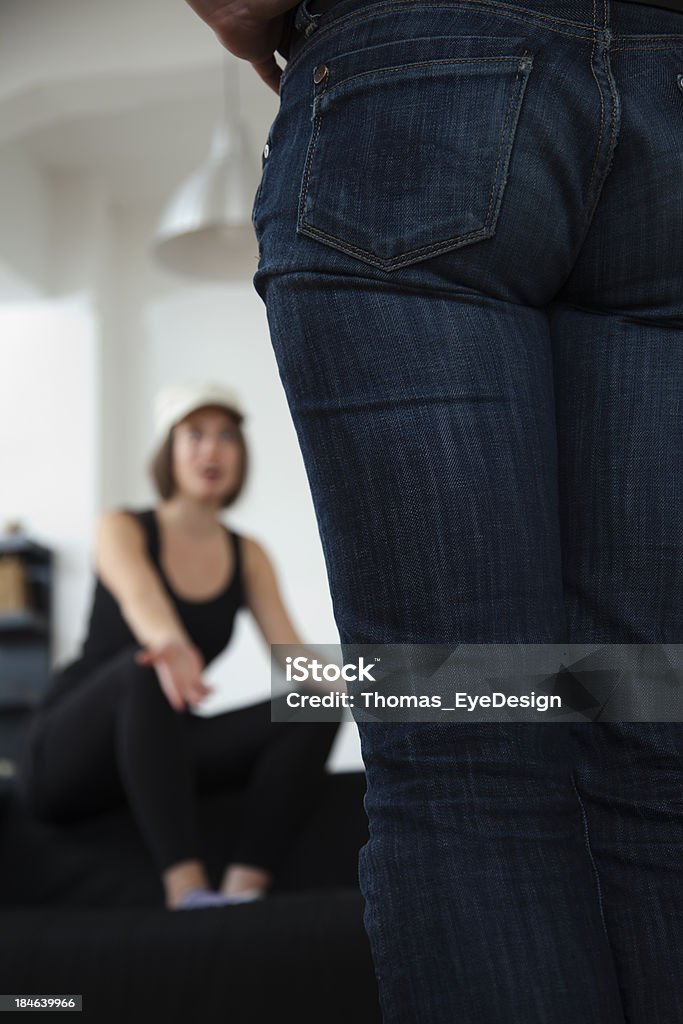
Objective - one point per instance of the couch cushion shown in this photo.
(102, 861)
(300, 957)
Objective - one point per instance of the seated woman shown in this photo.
(115, 724)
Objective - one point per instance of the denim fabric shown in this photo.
(469, 221)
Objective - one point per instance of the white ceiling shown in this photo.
(141, 119)
(140, 154)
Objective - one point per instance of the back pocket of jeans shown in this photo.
(410, 146)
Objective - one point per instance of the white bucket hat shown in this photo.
(173, 404)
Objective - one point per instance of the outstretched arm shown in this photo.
(126, 570)
(251, 29)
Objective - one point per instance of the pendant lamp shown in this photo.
(205, 232)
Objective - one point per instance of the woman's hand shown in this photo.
(179, 668)
(251, 29)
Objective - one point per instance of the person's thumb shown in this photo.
(270, 71)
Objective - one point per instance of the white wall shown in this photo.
(48, 442)
(50, 41)
(24, 224)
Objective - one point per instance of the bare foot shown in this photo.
(244, 878)
(181, 877)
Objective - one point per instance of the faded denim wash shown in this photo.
(471, 254)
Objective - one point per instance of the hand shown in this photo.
(251, 29)
(179, 668)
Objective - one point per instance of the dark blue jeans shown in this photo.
(471, 254)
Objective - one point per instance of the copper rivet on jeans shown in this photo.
(322, 71)
(679, 79)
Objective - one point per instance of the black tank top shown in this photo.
(209, 624)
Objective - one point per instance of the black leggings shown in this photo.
(116, 738)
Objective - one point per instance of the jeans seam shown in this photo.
(644, 46)
(404, 259)
(520, 14)
(592, 196)
(602, 106)
(596, 874)
(377, 72)
(514, 14)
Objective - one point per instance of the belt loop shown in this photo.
(601, 22)
(304, 21)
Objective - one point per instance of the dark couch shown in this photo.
(82, 912)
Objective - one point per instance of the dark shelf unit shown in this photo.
(25, 648)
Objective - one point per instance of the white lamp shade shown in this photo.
(206, 231)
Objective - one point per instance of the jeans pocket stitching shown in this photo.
(460, 239)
